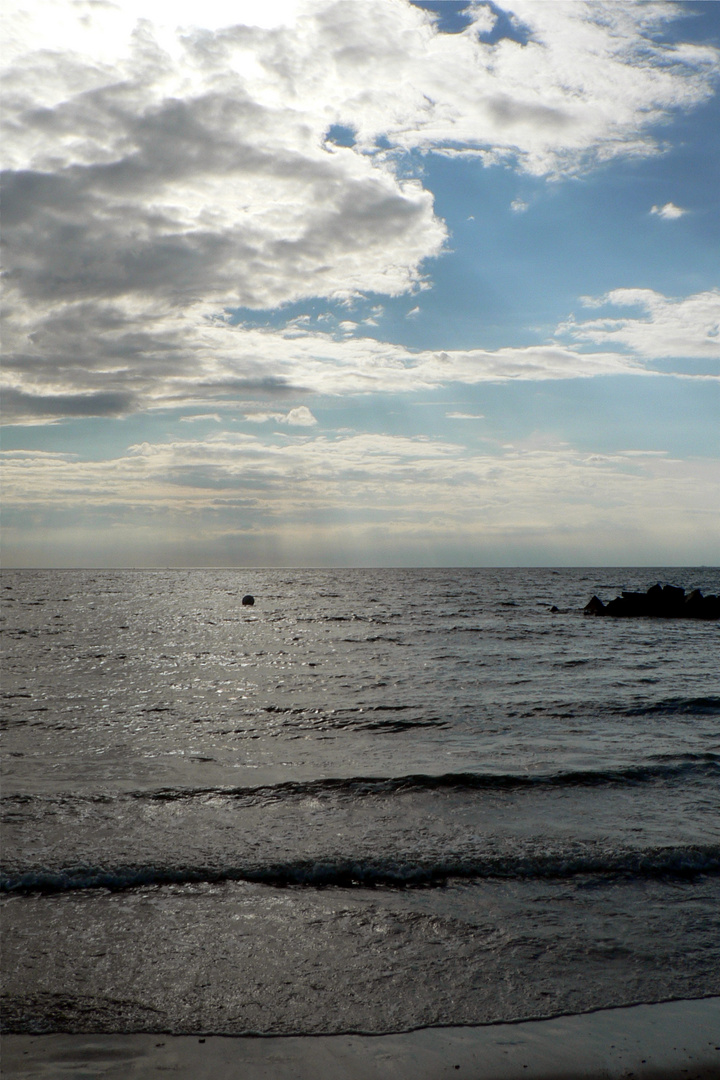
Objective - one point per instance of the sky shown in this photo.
(361, 283)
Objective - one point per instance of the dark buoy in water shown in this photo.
(248, 600)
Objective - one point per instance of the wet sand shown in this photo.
(645, 1042)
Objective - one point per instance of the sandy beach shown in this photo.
(678, 1039)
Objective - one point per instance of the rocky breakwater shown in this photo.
(659, 602)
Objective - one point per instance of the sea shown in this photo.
(374, 800)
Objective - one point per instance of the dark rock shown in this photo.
(655, 600)
(710, 607)
(636, 603)
(594, 607)
(659, 602)
(673, 594)
(554, 610)
(618, 607)
(694, 604)
(673, 602)
(248, 600)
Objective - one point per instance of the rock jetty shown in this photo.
(659, 602)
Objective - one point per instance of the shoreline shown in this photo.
(677, 1039)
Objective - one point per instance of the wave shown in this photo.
(356, 718)
(684, 863)
(614, 709)
(689, 767)
(677, 706)
(705, 706)
(665, 769)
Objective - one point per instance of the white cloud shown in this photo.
(688, 327)
(464, 416)
(168, 163)
(263, 417)
(111, 360)
(233, 485)
(518, 206)
(668, 212)
(298, 417)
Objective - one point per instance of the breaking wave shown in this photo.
(665, 863)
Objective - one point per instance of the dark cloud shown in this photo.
(506, 110)
(121, 227)
(20, 405)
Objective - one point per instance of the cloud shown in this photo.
(688, 327)
(112, 360)
(365, 466)
(464, 416)
(518, 206)
(668, 212)
(245, 490)
(298, 417)
(49, 406)
(166, 164)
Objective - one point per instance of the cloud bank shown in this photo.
(92, 361)
(238, 498)
(101, 369)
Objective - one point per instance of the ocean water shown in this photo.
(377, 799)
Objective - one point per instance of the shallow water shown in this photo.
(374, 800)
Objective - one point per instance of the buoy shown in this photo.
(248, 600)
